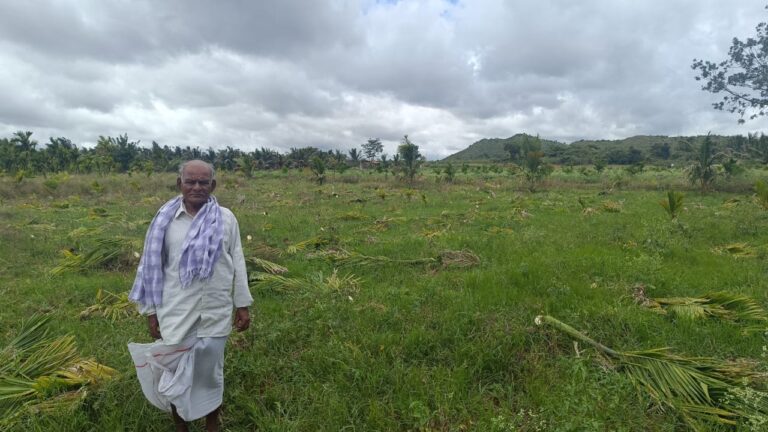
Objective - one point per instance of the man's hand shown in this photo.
(242, 319)
(154, 327)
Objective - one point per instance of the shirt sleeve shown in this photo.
(242, 294)
(147, 310)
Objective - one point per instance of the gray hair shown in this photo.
(183, 165)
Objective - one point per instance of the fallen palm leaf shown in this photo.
(268, 266)
(448, 258)
(39, 372)
(723, 305)
(736, 250)
(701, 390)
(316, 281)
(107, 252)
(110, 305)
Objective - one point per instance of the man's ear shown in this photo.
(213, 185)
(178, 183)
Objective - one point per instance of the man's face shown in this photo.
(196, 185)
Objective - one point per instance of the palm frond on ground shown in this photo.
(736, 250)
(41, 372)
(268, 266)
(106, 252)
(314, 282)
(703, 391)
(723, 305)
(110, 305)
(445, 259)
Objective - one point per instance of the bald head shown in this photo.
(197, 164)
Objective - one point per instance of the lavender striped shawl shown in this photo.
(200, 251)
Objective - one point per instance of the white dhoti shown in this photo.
(189, 375)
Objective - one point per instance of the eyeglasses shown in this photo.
(201, 183)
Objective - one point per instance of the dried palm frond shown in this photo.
(38, 371)
(335, 283)
(268, 266)
(612, 206)
(107, 252)
(736, 250)
(277, 283)
(462, 259)
(316, 281)
(314, 242)
(723, 305)
(703, 391)
(110, 305)
(343, 257)
(447, 258)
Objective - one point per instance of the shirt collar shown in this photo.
(181, 211)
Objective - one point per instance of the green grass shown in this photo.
(417, 347)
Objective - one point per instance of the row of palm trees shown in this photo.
(22, 154)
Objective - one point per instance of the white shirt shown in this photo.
(208, 301)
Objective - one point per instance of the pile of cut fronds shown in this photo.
(110, 305)
(723, 305)
(448, 258)
(106, 253)
(736, 250)
(39, 372)
(703, 391)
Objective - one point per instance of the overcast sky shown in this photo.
(332, 74)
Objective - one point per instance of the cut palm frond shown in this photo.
(110, 305)
(313, 282)
(268, 266)
(723, 305)
(461, 259)
(39, 372)
(736, 250)
(314, 242)
(277, 282)
(447, 258)
(703, 391)
(106, 253)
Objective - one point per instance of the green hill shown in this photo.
(493, 149)
(641, 148)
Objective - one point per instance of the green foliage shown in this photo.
(742, 77)
(761, 193)
(410, 158)
(318, 169)
(673, 205)
(702, 170)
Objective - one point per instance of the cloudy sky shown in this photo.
(331, 74)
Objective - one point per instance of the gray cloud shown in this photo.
(333, 74)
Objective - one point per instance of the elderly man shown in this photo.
(190, 277)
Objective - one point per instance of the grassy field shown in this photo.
(447, 344)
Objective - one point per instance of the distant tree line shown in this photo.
(21, 154)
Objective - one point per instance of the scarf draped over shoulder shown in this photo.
(200, 251)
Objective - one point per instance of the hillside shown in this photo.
(493, 149)
(641, 148)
